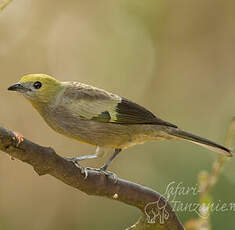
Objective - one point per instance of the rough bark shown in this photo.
(155, 208)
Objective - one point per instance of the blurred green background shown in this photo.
(176, 58)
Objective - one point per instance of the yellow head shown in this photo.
(37, 87)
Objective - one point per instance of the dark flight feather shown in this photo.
(96, 104)
(129, 112)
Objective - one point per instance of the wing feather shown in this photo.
(92, 103)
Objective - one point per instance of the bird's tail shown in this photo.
(199, 141)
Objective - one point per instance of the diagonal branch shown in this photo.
(206, 182)
(155, 208)
(4, 4)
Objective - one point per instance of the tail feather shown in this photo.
(200, 141)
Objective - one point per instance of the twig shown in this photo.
(220, 161)
(206, 182)
(45, 161)
(4, 5)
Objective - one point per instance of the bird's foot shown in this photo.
(19, 138)
(109, 174)
(73, 159)
(83, 169)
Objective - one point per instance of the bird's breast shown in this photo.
(96, 133)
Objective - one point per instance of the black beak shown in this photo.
(18, 87)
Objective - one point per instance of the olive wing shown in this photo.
(92, 103)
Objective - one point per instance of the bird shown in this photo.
(99, 118)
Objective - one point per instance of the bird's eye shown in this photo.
(37, 85)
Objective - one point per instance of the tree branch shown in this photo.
(155, 208)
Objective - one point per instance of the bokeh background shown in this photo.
(174, 57)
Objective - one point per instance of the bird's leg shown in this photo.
(81, 158)
(106, 165)
(75, 160)
(98, 153)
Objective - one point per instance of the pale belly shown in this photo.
(103, 134)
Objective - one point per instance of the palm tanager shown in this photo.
(97, 117)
